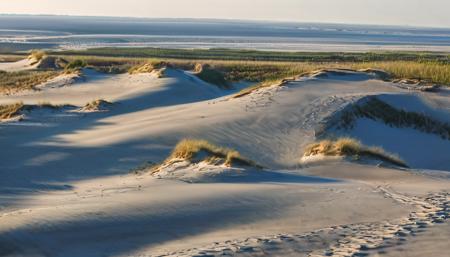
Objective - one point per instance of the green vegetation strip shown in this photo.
(433, 70)
(254, 55)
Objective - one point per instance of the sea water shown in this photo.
(23, 32)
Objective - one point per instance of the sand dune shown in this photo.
(432, 147)
(17, 66)
(69, 184)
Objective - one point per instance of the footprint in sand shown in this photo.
(350, 240)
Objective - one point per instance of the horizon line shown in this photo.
(229, 19)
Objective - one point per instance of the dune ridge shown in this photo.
(80, 183)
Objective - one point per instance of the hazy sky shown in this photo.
(397, 12)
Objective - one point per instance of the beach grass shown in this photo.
(256, 55)
(75, 65)
(147, 67)
(36, 55)
(96, 105)
(12, 82)
(260, 67)
(8, 111)
(433, 70)
(195, 150)
(350, 147)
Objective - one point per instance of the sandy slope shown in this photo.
(420, 150)
(17, 66)
(433, 242)
(93, 85)
(67, 190)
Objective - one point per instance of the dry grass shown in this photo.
(201, 150)
(264, 84)
(145, 68)
(97, 105)
(75, 65)
(351, 148)
(36, 56)
(12, 82)
(429, 72)
(48, 105)
(263, 71)
(9, 111)
(433, 72)
(148, 67)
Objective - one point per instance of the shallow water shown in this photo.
(19, 32)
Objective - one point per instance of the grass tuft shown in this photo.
(75, 65)
(201, 150)
(208, 74)
(97, 105)
(52, 63)
(148, 67)
(9, 111)
(36, 56)
(351, 148)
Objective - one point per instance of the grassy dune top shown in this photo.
(433, 70)
(147, 67)
(351, 148)
(75, 65)
(262, 67)
(36, 56)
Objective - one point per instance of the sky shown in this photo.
(433, 13)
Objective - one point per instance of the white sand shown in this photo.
(66, 189)
(17, 66)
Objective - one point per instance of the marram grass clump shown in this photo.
(149, 67)
(36, 56)
(97, 105)
(75, 66)
(9, 111)
(208, 74)
(195, 151)
(349, 147)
